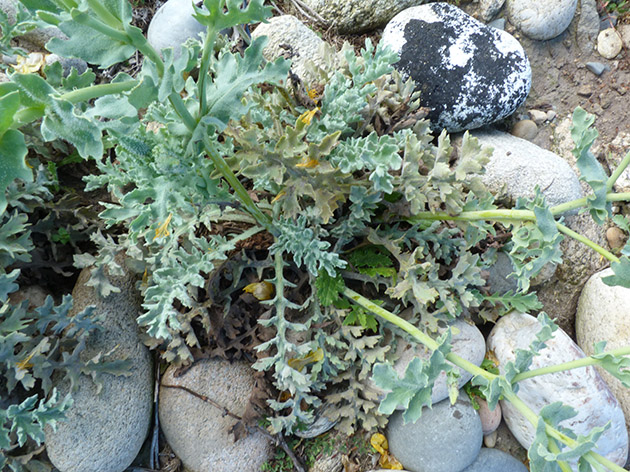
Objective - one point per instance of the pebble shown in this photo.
(525, 129)
(198, 432)
(490, 419)
(616, 237)
(36, 38)
(291, 39)
(494, 460)
(517, 166)
(488, 9)
(490, 439)
(582, 389)
(358, 16)
(541, 19)
(172, 25)
(446, 438)
(538, 116)
(67, 63)
(551, 115)
(602, 315)
(472, 74)
(499, 23)
(467, 342)
(609, 43)
(104, 432)
(609, 20)
(597, 68)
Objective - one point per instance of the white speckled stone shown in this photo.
(609, 43)
(358, 16)
(467, 342)
(517, 166)
(288, 37)
(583, 389)
(469, 74)
(172, 25)
(489, 8)
(198, 432)
(541, 19)
(603, 315)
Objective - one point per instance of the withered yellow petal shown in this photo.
(387, 461)
(308, 163)
(162, 230)
(261, 290)
(33, 62)
(312, 357)
(307, 116)
(279, 196)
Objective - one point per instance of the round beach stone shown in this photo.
(446, 438)
(609, 43)
(490, 419)
(525, 129)
(469, 74)
(541, 19)
(105, 431)
(198, 432)
(582, 389)
(358, 16)
(467, 342)
(288, 37)
(494, 460)
(172, 25)
(517, 166)
(603, 315)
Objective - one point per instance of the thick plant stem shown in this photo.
(584, 240)
(96, 91)
(581, 202)
(104, 14)
(576, 364)
(208, 48)
(618, 171)
(240, 191)
(415, 332)
(510, 396)
(182, 111)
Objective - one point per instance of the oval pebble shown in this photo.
(446, 438)
(609, 43)
(494, 460)
(541, 19)
(582, 389)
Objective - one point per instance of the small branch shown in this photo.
(203, 398)
(584, 240)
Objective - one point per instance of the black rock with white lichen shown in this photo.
(469, 74)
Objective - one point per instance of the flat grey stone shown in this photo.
(198, 432)
(602, 315)
(587, 26)
(499, 23)
(446, 438)
(582, 389)
(597, 68)
(494, 460)
(105, 432)
(541, 19)
(358, 16)
(172, 25)
(468, 74)
(288, 37)
(517, 166)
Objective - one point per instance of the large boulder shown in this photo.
(469, 74)
(358, 16)
(582, 389)
(603, 314)
(105, 431)
(199, 432)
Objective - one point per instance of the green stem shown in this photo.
(248, 233)
(141, 44)
(508, 395)
(553, 447)
(425, 339)
(240, 191)
(95, 91)
(208, 49)
(576, 364)
(104, 14)
(180, 108)
(584, 240)
(581, 202)
(87, 20)
(615, 175)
